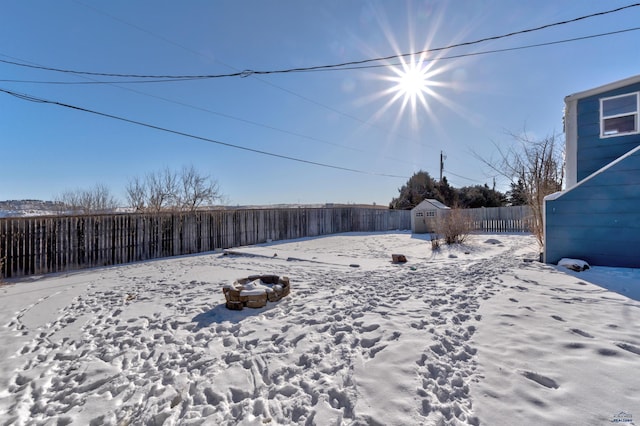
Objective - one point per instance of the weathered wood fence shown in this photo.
(45, 244)
(501, 219)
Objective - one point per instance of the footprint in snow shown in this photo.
(628, 347)
(581, 333)
(545, 381)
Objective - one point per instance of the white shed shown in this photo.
(424, 215)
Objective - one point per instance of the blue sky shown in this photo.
(346, 119)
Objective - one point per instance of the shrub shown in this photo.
(454, 226)
(435, 242)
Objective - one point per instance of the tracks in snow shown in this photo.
(145, 351)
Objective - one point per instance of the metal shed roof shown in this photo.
(430, 203)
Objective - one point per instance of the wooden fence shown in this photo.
(501, 219)
(45, 244)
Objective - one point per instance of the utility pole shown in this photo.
(442, 158)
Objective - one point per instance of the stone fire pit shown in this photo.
(255, 290)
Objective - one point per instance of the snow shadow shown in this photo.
(624, 281)
(423, 237)
(220, 314)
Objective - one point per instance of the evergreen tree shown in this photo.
(419, 187)
(517, 196)
(447, 194)
(472, 197)
(422, 186)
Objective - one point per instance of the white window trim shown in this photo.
(636, 115)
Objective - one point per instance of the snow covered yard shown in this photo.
(477, 334)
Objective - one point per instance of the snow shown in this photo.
(475, 334)
(554, 196)
(573, 264)
(255, 288)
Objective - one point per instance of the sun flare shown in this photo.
(417, 87)
(412, 83)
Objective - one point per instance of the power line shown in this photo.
(31, 98)
(246, 73)
(328, 68)
(269, 83)
(462, 55)
(486, 52)
(165, 80)
(336, 67)
(461, 177)
(186, 48)
(437, 49)
(227, 116)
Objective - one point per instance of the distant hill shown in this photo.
(21, 208)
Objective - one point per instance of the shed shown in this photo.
(424, 216)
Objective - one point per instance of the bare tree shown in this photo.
(197, 189)
(537, 166)
(102, 199)
(162, 189)
(137, 193)
(170, 190)
(96, 199)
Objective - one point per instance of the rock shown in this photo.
(398, 258)
(235, 306)
(254, 291)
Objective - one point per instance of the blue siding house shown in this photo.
(597, 217)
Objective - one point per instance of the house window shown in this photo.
(419, 214)
(619, 115)
(431, 213)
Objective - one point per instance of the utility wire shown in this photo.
(437, 49)
(485, 52)
(461, 177)
(164, 80)
(106, 74)
(306, 98)
(322, 68)
(31, 98)
(462, 55)
(275, 86)
(227, 116)
(246, 73)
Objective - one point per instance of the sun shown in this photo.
(413, 90)
(412, 83)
